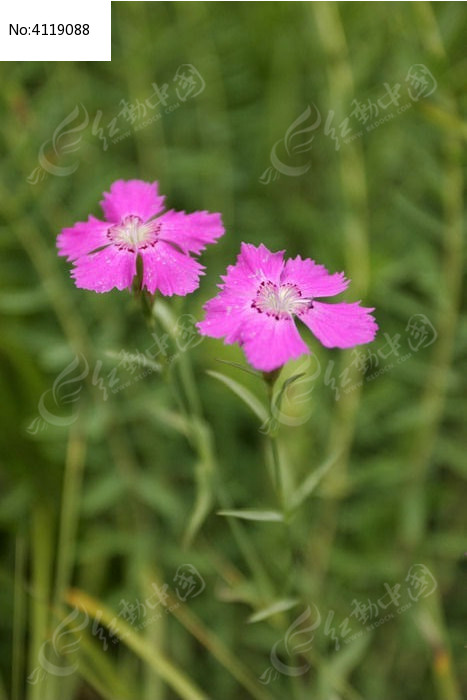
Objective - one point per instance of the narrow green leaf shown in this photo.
(311, 482)
(99, 669)
(169, 419)
(245, 394)
(287, 383)
(272, 516)
(277, 607)
(172, 674)
(243, 368)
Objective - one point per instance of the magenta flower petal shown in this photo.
(313, 280)
(170, 272)
(340, 325)
(262, 294)
(102, 271)
(133, 230)
(190, 232)
(84, 237)
(259, 263)
(224, 318)
(269, 343)
(132, 198)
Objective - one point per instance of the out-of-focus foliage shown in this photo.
(122, 486)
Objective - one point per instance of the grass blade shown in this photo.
(269, 516)
(168, 671)
(245, 394)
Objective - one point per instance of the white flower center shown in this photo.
(132, 233)
(280, 301)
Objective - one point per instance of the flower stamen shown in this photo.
(281, 301)
(133, 234)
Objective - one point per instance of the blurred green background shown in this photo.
(119, 484)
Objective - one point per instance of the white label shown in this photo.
(55, 31)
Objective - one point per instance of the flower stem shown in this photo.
(277, 470)
(147, 299)
(270, 379)
(282, 489)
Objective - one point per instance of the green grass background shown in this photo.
(130, 490)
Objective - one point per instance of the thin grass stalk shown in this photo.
(41, 566)
(355, 231)
(161, 665)
(19, 618)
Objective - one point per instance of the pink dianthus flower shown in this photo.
(262, 294)
(104, 253)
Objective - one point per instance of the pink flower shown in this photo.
(104, 253)
(261, 294)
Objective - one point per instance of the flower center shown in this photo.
(133, 234)
(280, 301)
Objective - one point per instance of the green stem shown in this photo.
(41, 551)
(69, 516)
(279, 483)
(278, 477)
(193, 412)
(282, 492)
(353, 206)
(18, 619)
